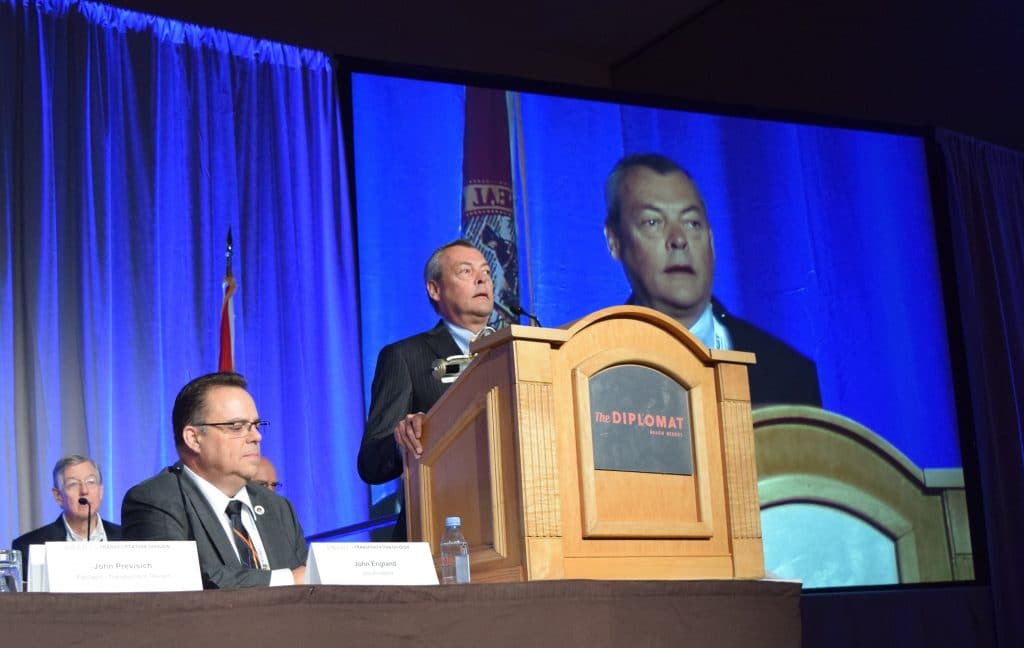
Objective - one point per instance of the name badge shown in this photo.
(155, 566)
(370, 563)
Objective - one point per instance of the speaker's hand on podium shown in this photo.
(408, 432)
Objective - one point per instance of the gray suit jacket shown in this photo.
(170, 506)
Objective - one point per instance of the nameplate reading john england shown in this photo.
(128, 566)
(370, 563)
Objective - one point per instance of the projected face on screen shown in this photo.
(658, 230)
(823, 263)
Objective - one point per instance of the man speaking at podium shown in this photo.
(459, 286)
(245, 534)
(658, 228)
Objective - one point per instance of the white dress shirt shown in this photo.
(218, 501)
(99, 534)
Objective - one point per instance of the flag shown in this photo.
(226, 361)
(488, 211)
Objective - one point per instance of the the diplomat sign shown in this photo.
(640, 420)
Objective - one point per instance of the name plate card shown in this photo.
(35, 570)
(370, 563)
(130, 566)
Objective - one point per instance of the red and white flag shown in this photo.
(226, 361)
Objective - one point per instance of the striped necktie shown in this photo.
(246, 550)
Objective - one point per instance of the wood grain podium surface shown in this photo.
(709, 614)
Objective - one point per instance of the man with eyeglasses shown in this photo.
(78, 491)
(246, 535)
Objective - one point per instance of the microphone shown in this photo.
(88, 525)
(518, 310)
(504, 310)
(514, 311)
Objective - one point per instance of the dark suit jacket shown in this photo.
(402, 384)
(170, 506)
(54, 532)
(782, 374)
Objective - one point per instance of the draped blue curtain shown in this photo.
(129, 145)
(986, 197)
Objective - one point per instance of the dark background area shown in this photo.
(948, 63)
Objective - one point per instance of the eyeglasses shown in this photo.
(238, 428)
(268, 484)
(75, 484)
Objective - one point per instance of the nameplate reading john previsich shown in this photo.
(125, 566)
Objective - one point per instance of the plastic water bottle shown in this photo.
(454, 553)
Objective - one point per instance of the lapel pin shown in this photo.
(259, 509)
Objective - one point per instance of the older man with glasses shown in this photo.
(246, 535)
(78, 491)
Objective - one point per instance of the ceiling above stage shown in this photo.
(952, 63)
(597, 33)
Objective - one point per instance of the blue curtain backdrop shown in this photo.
(823, 236)
(986, 198)
(128, 146)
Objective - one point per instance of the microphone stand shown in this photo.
(514, 311)
(530, 316)
(88, 524)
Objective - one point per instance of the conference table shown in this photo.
(560, 613)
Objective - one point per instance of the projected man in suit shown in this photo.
(657, 226)
(75, 478)
(459, 286)
(217, 432)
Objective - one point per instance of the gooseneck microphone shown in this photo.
(88, 525)
(518, 310)
(504, 310)
(514, 311)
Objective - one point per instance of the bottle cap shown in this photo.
(453, 520)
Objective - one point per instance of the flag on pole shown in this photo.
(488, 211)
(226, 361)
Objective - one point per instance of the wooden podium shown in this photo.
(550, 485)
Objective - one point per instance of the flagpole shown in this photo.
(227, 254)
(524, 204)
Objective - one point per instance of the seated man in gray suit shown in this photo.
(78, 491)
(246, 535)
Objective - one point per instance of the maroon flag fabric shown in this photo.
(226, 358)
(488, 211)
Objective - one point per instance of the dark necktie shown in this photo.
(246, 550)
